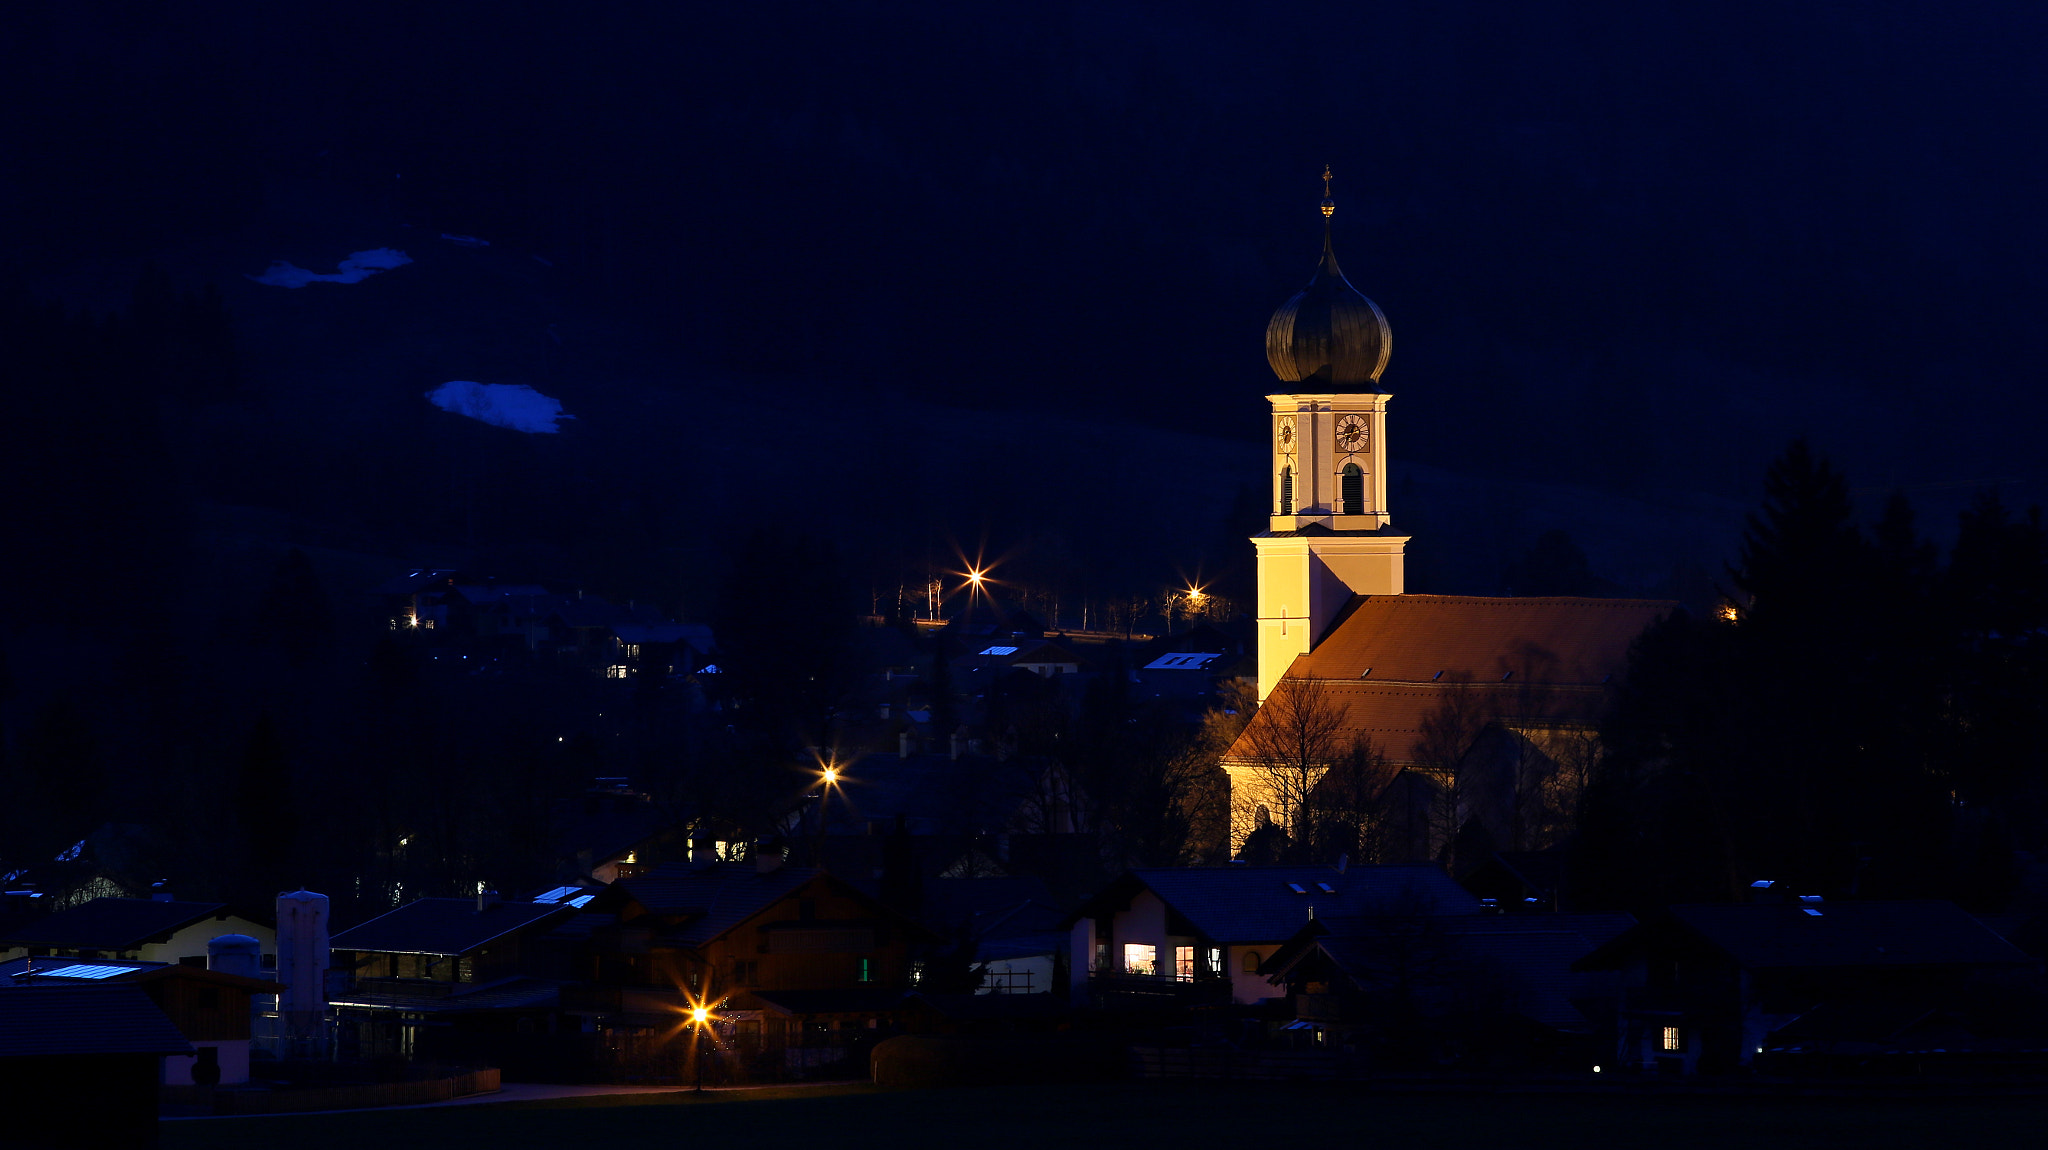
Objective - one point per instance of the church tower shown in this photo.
(1329, 536)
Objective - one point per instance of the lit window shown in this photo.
(615, 671)
(867, 971)
(1141, 958)
(1184, 963)
(1251, 962)
(1671, 1039)
(1216, 960)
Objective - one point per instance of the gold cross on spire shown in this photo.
(1329, 205)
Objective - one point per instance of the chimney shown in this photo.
(956, 746)
(486, 899)
(160, 892)
(1766, 892)
(903, 745)
(767, 855)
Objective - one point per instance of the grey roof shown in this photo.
(443, 926)
(1894, 934)
(1244, 904)
(51, 1020)
(112, 924)
(715, 897)
(516, 992)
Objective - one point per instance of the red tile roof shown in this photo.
(1413, 637)
(1392, 661)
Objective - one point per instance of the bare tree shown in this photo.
(1300, 768)
(1448, 733)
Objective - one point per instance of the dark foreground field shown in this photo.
(1044, 1117)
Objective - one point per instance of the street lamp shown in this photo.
(700, 1017)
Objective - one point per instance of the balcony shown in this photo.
(1116, 990)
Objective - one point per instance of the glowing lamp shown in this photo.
(700, 1015)
(831, 775)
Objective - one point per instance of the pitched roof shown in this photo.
(1391, 661)
(50, 1020)
(112, 924)
(1892, 934)
(443, 926)
(1243, 904)
(716, 897)
(1411, 638)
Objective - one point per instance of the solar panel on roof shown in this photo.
(86, 970)
(1000, 651)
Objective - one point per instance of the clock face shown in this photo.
(1351, 434)
(1287, 435)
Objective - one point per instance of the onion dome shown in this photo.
(1329, 334)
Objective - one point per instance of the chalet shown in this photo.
(82, 1064)
(151, 930)
(1706, 988)
(214, 1010)
(803, 970)
(1484, 990)
(404, 973)
(1160, 936)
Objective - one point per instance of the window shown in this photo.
(1102, 956)
(1287, 491)
(1184, 963)
(1353, 490)
(1672, 1039)
(1141, 958)
(866, 972)
(1215, 960)
(1251, 962)
(745, 971)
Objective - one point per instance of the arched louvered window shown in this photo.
(1287, 491)
(1354, 490)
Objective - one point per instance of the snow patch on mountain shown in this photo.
(358, 267)
(512, 405)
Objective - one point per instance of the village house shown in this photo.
(1477, 991)
(1186, 936)
(83, 1063)
(800, 970)
(449, 978)
(1711, 988)
(217, 1008)
(150, 930)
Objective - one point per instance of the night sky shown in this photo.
(917, 275)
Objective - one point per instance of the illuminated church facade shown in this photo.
(1478, 713)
